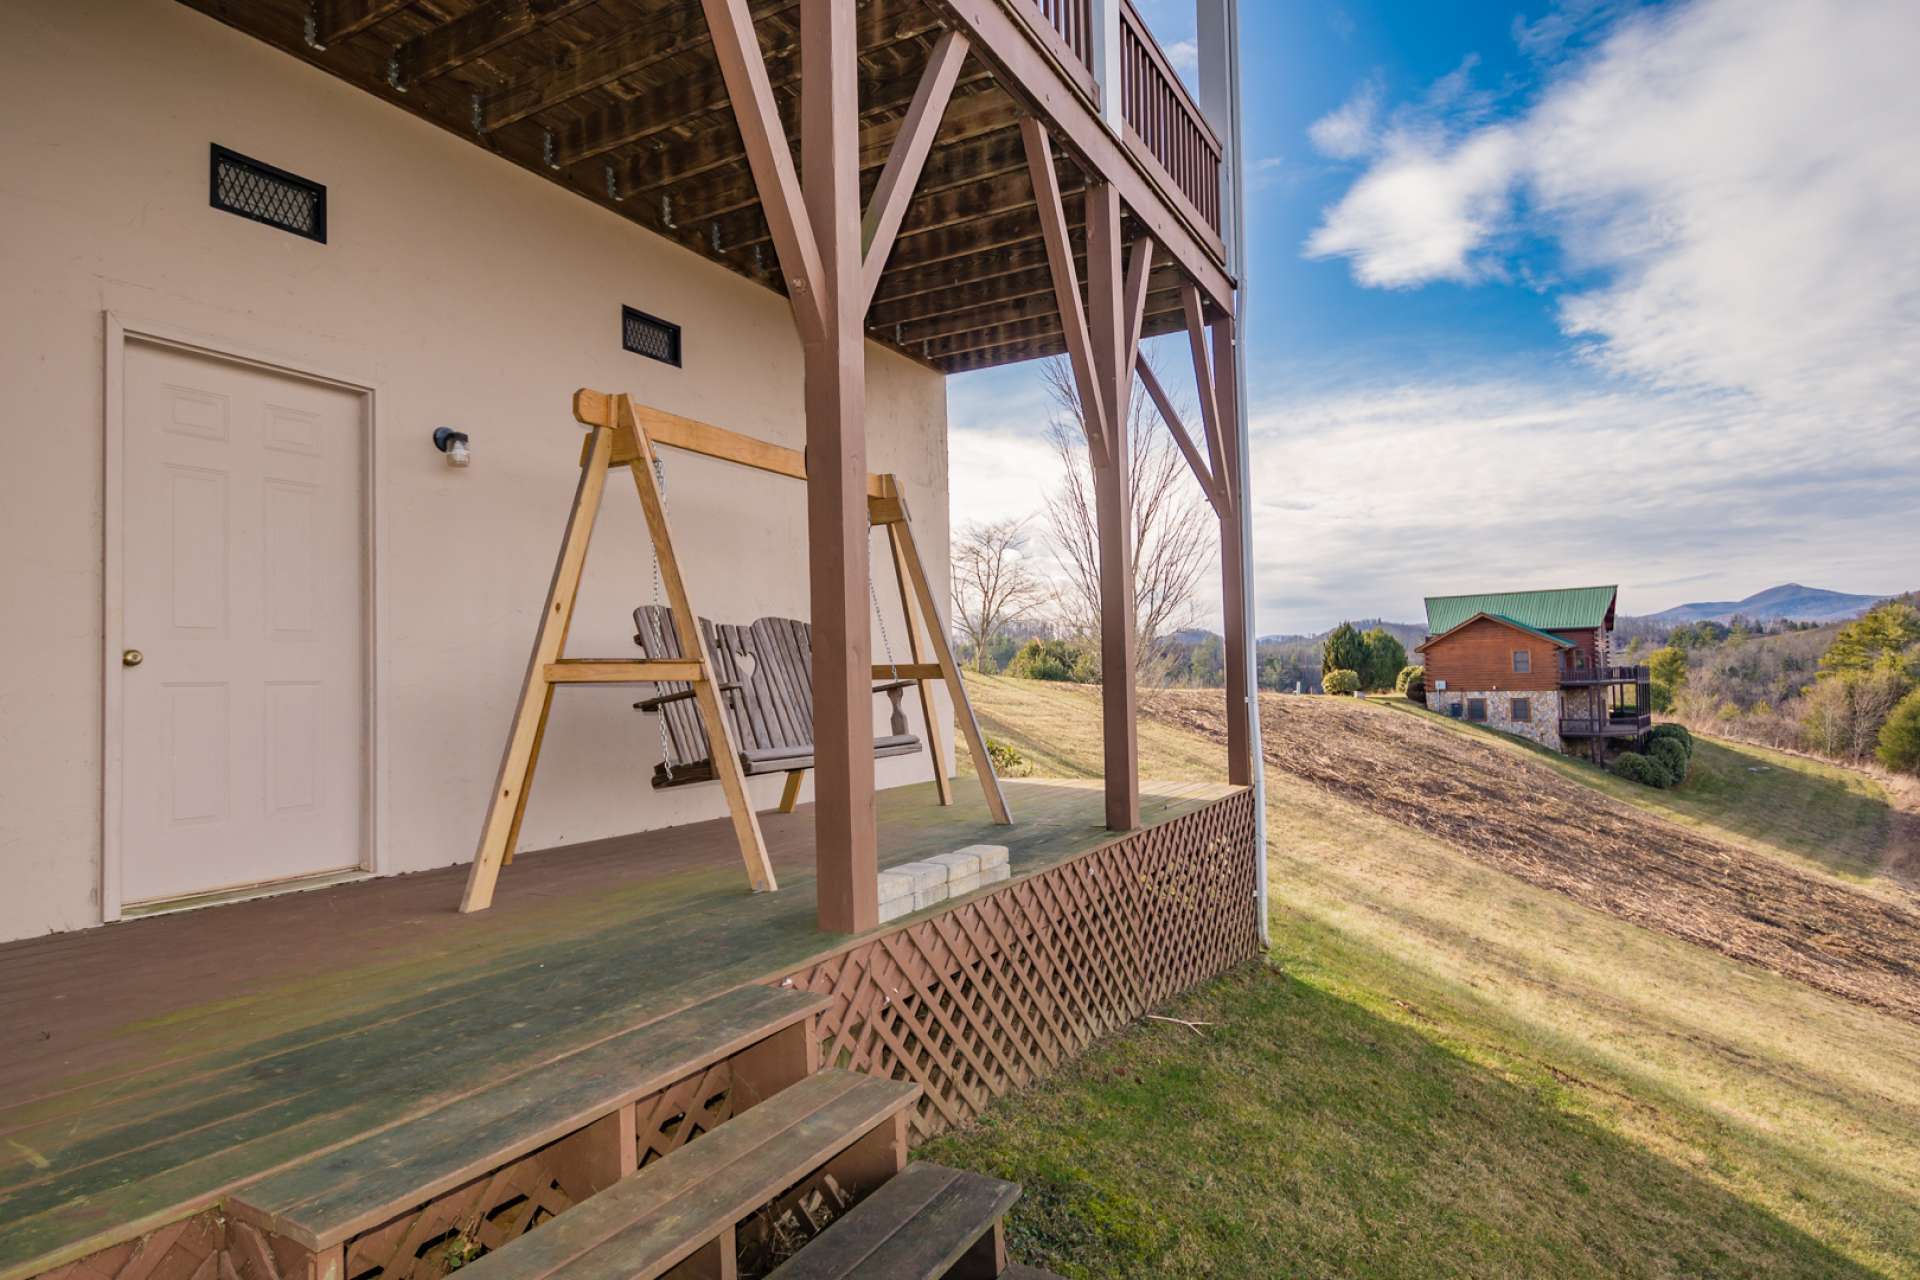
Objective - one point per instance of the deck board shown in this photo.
(153, 1065)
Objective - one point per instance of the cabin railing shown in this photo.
(1605, 675)
(1164, 124)
(1616, 725)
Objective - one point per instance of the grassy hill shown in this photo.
(1486, 1045)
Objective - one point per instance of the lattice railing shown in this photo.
(1002, 989)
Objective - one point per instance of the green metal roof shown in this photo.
(1569, 609)
(1548, 636)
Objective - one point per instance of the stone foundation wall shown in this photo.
(1543, 727)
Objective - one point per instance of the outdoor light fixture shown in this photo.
(453, 444)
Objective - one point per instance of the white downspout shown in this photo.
(1217, 29)
(1104, 50)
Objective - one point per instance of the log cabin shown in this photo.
(1538, 664)
(329, 323)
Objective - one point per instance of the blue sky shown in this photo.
(1560, 293)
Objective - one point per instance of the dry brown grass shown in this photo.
(1532, 822)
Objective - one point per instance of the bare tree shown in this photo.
(994, 583)
(1172, 526)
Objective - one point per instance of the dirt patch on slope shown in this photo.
(1523, 818)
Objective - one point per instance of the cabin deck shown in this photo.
(153, 1065)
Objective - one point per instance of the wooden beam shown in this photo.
(845, 844)
(337, 20)
(1031, 77)
(1158, 394)
(662, 108)
(678, 30)
(473, 34)
(619, 671)
(1027, 253)
(723, 747)
(693, 436)
(968, 201)
(914, 670)
(1113, 508)
(703, 172)
(530, 716)
(901, 176)
(1139, 276)
(976, 307)
(890, 29)
(966, 239)
(1036, 347)
(909, 553)
(1066, 287)
(745, 72)
(1203, 376)
(965, 336)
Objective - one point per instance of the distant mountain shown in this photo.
(1407, 633)
(1793, 601)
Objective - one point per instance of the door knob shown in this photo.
(132, 658)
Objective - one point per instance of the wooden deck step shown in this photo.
(692, 1199)
(330, 1197)
(927, 1223)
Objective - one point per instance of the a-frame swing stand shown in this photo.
(622, 434)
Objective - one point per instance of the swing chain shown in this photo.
(886, 641)
(660, 482)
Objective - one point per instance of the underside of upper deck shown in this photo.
(624, 103)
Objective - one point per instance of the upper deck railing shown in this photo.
(1162, 117)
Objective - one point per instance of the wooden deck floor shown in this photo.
(149, 1066)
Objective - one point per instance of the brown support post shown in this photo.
(1242, 702)
(1113, 370)
(845, 853)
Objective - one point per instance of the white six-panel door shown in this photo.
(242, 708)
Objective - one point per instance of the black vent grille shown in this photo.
(266, 194)
(650, 336)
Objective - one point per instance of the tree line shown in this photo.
(1851, 693)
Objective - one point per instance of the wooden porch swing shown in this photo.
(623, 434)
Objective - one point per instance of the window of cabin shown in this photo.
(1477, 709)
(1522, 710)
(1580, 659)
(1522, 661)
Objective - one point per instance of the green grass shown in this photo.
(1442, 1071)
(1305, 1134)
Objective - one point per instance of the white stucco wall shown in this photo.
(465, 292)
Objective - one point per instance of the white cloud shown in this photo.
(1349, 131)
(1432, 487)
(1738, 181)
(1741, 174)
(1746, 176)
(1425, 212)
(1185, 57)
(999, 462)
